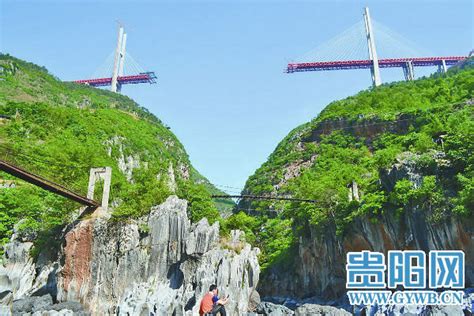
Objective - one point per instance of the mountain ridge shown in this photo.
(61, 129)
(396, 150)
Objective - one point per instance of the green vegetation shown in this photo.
(60, 130)
(425, 125)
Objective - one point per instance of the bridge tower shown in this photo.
(118, 78)
(374, 70)
(119, 59)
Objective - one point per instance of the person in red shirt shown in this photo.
(211, 304)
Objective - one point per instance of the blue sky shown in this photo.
(221, 86)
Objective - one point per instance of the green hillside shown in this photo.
(60, 130)
(427, 124)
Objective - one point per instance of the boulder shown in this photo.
(446, 310)
(32, 304)
(267, 308)
(73, 306)
(254, 300)
(320, 310)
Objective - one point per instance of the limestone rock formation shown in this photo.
(159, 264)
(320, 267)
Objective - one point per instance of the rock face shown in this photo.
(18, 274)
(160, 264)
(320, 267)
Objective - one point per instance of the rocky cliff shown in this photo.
(389, 168)
(160, 264)
(319, 266)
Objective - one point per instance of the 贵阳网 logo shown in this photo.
(437, 279)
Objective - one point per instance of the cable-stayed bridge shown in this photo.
(113, 70)
(357, 48)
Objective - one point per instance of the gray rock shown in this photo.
(450, 310)
(42, 303)
(202, 237)
(32, 304)
(5, 310)
(314, 309)
(5, 283)
(6, 298)
(267, 308)
(63, 312)
(18, 273)
(397, 310)
(73, 306)
(254, 300)
(109, 267)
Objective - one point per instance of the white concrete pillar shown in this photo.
(117, 60)
(374, 70)
(96, 174)
(122, 60)
(91, 187)
(409, 71)
(122, 54)
(107, 176)
(442, 67)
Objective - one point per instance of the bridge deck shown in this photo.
(261, 197)
(46, 184)
(147, 77)
(364, 64)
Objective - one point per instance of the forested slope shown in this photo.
(60, 130)
(397, 148)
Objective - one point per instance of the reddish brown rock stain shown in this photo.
(387, 240)
(78, 255)
(464, 238)
(356, 243)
